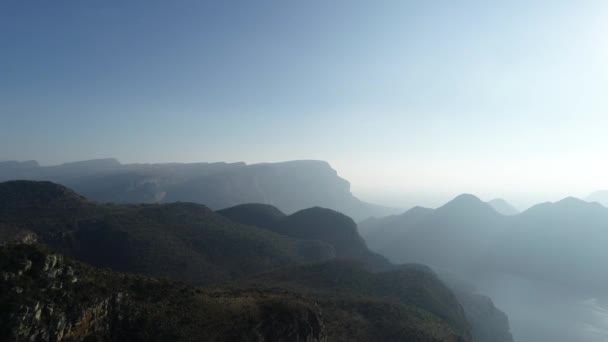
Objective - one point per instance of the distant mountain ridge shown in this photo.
(467, 235)
(600, 197)
(452, 235)
(290, 186)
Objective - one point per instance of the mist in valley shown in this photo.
(542, 266)
(542, 311)
(319, 171)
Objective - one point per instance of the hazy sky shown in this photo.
(498, 98)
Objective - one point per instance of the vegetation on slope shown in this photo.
(406, 304)
(183, 241)
(46, 297)
(315, 224)
(186, 241)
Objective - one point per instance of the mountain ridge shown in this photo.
(473, 241)
(190, 242)
(289, 185)
(314, 223)
(600, 196)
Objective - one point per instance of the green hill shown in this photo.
(255, 214)
(314, 224)
(189, 242)
(183, 241)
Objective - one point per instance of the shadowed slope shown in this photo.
(407, 304)
(180, 240)
(47, 297)
(315, 224)
(190, 242)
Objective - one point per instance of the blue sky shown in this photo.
(418, 97)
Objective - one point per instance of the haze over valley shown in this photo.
(319, 171)
(477, 248)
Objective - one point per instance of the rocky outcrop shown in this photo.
(45, 297)
(487, 322)
(41, 321)
(41, 315)
(11, 234)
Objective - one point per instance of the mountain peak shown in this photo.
(256, 214)
(463, 201)
(577, 204)
(467, 197)
(569, 205)
(571, 200)
(327, 225)
(325, 215)
(416, 211)
(466, 204)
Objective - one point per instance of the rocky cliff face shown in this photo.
(42, 322)
(48, 298)
(41, 286)
(291, 186)
(487, 322)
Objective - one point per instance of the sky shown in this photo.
(411, 101)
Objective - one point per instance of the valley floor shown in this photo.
(541, 312)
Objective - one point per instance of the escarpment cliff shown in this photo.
(46, 297)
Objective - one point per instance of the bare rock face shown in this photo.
(43, 322)
(10, 234)
(38, 317)
(488, 323)
(45, 297)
